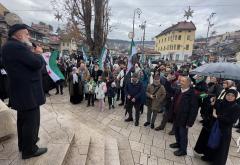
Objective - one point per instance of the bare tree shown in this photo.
(91, 18)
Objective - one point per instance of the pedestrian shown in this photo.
(75, 87)
(133, 91)
(91, 86)
(111, 91)
(121, 79)
(185, 110)
(144, 81)
(25, 83)
(156, 94)
(85, 75)
(100, 91)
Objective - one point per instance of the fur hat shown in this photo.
(14, 28)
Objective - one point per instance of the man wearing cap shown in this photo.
(133, 91)
(23, 65)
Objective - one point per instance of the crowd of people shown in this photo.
(167, 89)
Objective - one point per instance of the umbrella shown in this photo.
(220, 70)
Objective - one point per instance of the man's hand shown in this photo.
(133, 100)
(129, 97)
(38, 50)
(151, 97)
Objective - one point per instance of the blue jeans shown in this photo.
(181, 135)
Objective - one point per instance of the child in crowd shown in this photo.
(91, 86)
(100, 91)
(111, 91)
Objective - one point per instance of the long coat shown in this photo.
(80, 86)
(160, 95)
(24, 73)
(187, 109)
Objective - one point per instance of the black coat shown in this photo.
(24, 73)
(187, 110)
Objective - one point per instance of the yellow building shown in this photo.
(176, 42)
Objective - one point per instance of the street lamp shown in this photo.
(139, 12)
(143, 27)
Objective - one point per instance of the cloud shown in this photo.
(155, 12)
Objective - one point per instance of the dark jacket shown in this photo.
(24, 73)
(134, 90)
(187, 109)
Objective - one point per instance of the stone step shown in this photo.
(96, 153)
(79, 149)
(111, 152)
(56, 152)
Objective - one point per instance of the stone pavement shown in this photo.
(137, 145)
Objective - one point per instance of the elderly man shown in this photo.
(133, 91)
(23, 65)
(185, 109)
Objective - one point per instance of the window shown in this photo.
(175, 37)
(188, 37)
(187, 47)
(63, 44)
(174, 47)
(165, 39)
(68, 44)
(164, 48)
(179, 37)
(177, 57)
(185, 57)
(162, 40)
(168, 47)
(178, 47)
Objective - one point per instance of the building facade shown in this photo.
(68, 47)
(176, 42)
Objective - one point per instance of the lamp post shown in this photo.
(143, 27)
(139, 12)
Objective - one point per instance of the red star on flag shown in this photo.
(49, 72)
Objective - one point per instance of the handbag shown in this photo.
(149, 100)
(215, 136)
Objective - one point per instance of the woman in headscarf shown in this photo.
(226, 111)
(75, 87)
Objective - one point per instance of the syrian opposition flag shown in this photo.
(51, 65)
(102, 58)
(133, 51)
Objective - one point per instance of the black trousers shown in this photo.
(118, 93)
(110, 101)
(181, 135)
(122, 95)
(129, 107)
(91, 98)
(59, 85)
(28, 122)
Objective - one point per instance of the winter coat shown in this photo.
(91, 86)
(160, 96)
(187, 109)
(134, 90)
(24, 73)
(100, 90)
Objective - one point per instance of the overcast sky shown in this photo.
(159, 15)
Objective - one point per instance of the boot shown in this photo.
(129, 119)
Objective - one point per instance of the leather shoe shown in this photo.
(146, 124)
(121, 104)
(136, 123)
(171, 133)
(152, 126)
(129, 119)
(159, 128)
(174, 145)
(20, 149)
(206, 159)
(39, 152)
(180, 153)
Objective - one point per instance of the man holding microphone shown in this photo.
(23, 65)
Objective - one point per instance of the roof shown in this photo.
(179, 26)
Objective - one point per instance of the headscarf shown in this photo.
(75, 76)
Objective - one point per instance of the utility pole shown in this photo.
(139, 12)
